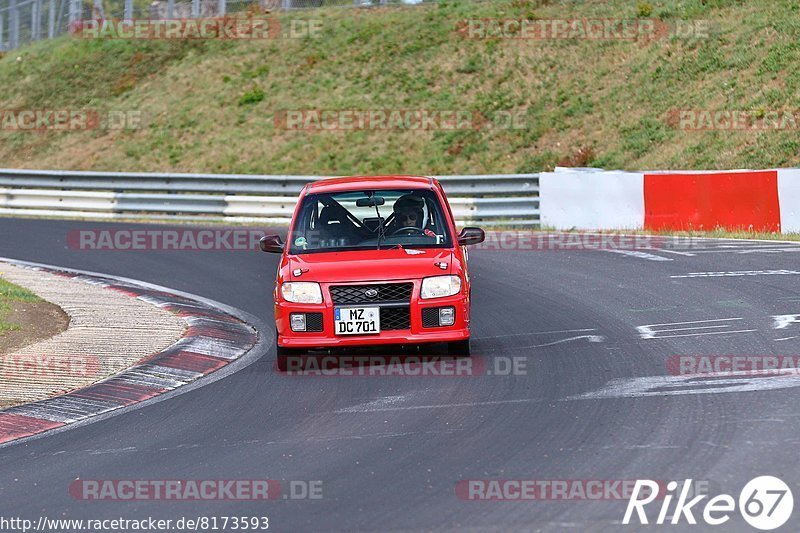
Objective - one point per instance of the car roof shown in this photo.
(350, 183)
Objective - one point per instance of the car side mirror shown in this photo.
(470, 235)
(272, 244)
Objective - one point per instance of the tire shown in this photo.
(284, 355)
(459, 348)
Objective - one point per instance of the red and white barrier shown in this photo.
(789, 199)
(591, 199)
(758, 200)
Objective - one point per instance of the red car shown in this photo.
(372, 261)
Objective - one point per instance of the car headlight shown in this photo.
(302, 292)
(440, 286)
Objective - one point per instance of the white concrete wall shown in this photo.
(591, 199)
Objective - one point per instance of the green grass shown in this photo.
(209, 106)
(736, 234)
(10, 293)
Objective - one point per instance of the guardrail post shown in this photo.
(51, 19)
(13, 21)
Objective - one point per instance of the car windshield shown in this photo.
(364, 219)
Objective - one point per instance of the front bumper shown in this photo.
(415, 334)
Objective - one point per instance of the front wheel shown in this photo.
(285, 355)
(459, 348)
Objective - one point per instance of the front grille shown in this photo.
(430, 317)
(395, 318)
(313, 321)
(387, 292)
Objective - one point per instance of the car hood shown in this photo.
(370, 265)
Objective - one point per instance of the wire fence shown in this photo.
(25, 21)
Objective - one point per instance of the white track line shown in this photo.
(364, 409)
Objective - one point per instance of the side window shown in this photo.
(433, 214)
(313, 216)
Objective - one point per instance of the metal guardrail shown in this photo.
(491, 200)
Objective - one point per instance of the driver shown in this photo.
(408, 211)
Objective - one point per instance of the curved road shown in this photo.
(390, 450)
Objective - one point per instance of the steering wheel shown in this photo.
(409, 229)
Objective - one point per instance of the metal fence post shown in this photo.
(2, 44)
(286, 4)
(51, 19)
(195, 8)
(128, 15)
(170, 9)
(13, 20)
(36, 20)
(74, 11)
(220, 8)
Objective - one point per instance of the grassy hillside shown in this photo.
(208, 106)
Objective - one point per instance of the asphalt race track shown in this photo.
(390, 450)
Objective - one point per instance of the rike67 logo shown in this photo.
(765, 503)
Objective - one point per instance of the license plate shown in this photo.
(357, 320)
